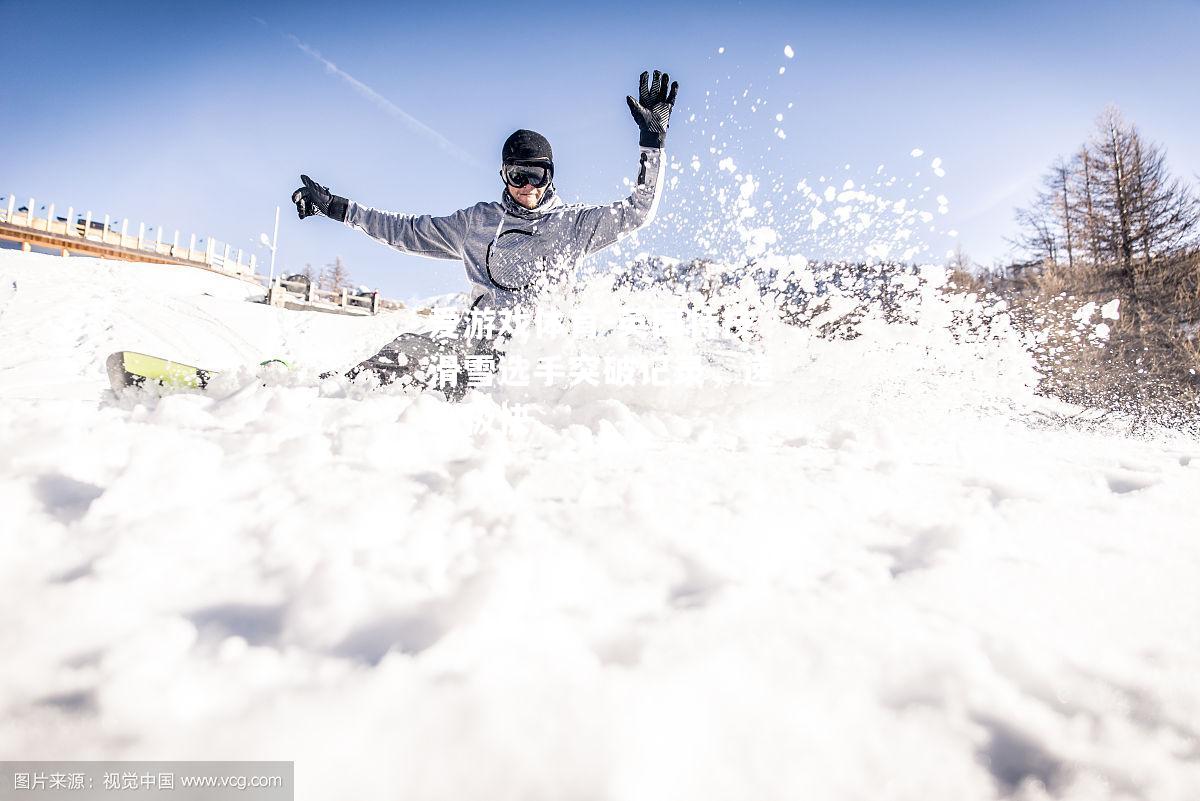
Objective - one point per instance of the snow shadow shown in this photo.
(64, 498)
(1013, 757)
(79, 702)
(257, 624)
(408, 633)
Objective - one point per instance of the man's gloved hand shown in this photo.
(312, 198)
(652, 110)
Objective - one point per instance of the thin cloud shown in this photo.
(382, 103)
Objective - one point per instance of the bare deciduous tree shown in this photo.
(1112, 222)
(335, 276)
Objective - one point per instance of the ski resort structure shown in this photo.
(108, 238)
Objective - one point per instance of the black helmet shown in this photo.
(527, 147)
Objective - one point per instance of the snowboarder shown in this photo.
(530, 238)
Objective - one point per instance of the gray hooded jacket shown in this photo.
(511, 251)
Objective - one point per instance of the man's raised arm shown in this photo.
(600, 226)
(422, 235)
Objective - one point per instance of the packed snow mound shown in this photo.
(881, 574)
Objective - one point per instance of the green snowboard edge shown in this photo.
(130, 369)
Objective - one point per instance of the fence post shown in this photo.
(87, 224)
(209, 251)
(175, 244)
(29, 214)
(375, 302)
(141, 235)
(124, 230)
(238, 261)
(12, 201)
(49, 217)
(157, 237)
(71, 221)
(253, 261)
(225, 256)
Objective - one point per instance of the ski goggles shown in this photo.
(537, 175)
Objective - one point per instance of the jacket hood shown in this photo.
(550, 201)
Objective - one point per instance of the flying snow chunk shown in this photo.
(788, 51)
(917, 153)
(780, 133)
(817, 219)
(778, 118)
(720, 50)
(727, 164)
(1111, 310)
(782, 70)
(695, 164)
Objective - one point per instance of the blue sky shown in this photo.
(201, 116)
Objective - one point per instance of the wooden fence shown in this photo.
(303, 295)
(87, 234)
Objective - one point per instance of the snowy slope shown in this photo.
(79, 310)
(887, 575)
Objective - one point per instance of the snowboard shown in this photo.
(129, 369)
(410, 360)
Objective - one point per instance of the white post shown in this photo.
(49, 217)
(175, 244)
(124, 230)
(12, 202)
(253, 261)
(70, 220)
(191, 247)
(209, 250)
(104, 231)
(87, 224)
(274, 242)
(225, 256)
(157, 238)
(238, 261)
(141, 235)
(29, 215)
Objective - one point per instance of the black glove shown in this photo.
(653, 112)
(312, 198)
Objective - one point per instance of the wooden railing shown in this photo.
(304, 295)
(86, 234)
